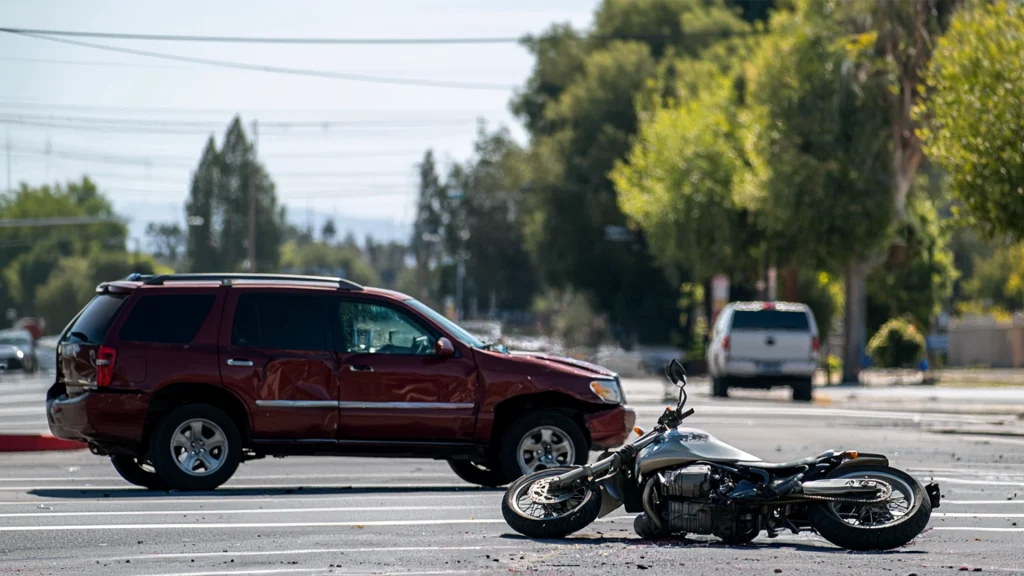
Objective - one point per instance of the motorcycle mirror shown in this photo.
(676, 373)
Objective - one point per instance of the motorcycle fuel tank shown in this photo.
(685, 445)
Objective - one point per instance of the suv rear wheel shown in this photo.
(803, 389)
(540, 440)
(196, 447)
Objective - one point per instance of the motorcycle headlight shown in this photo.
(607, 390)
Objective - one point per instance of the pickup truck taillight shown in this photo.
(105, 358)
(725, 343)
(815, 344)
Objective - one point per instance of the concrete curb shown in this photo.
(36, 443)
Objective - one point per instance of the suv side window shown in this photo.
(369, 328)
(167, 318)
(282, 321)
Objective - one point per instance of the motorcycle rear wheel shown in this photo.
(564, 513)
(874, 527)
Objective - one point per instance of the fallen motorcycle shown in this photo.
(685, 481)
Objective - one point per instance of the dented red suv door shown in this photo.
(277, 354)
(393, 384)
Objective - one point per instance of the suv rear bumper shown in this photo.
(756, 369)
(611, 428)
(101, 417)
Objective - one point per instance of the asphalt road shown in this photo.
(68, 513)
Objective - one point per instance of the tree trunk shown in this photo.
(792, 290)
(853, 323)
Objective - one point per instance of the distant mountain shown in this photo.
(142, 213)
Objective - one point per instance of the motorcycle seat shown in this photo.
(809, 462)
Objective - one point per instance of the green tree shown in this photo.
(167, 242)
(328, 233)
(28, 254)
(997, 282)
(388, 260)
(974, 110)
(326, 260)
(485, 223)
(218, 208)
(427, 243)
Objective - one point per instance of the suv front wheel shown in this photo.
(540, 440)
(196, 447)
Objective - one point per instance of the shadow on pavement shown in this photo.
(139, 493)
(821, 546)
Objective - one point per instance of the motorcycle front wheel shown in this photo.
(882, 526)
(533, 509)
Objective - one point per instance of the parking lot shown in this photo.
(69, 513)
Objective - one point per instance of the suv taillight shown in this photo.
(725, 343)
(105, 358)
(815, 344)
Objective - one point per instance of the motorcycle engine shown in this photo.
(692, 501)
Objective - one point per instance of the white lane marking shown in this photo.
(243, 478)
(976, 482)
(220, 511)
(977, 529)
(974, 515)
(227, 525)
(237, 553)
(227, 499)
(993, 440)
(968, 502)
(264, 571)
(295, 487)
(830, 413)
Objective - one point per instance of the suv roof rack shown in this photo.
(226, 279)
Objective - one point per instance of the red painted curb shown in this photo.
(36, 442)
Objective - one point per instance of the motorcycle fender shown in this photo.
(611, 497)
(863, 459)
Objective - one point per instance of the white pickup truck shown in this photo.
(764, 344)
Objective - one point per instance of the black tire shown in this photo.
(474, 474)
(132, 471)
(886, 537)
(803, 390)
(167, 468)
(558, 527)
(507, 457)
(720, 387)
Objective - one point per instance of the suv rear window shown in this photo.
(282, 322)
(770, 320)
(92, 324)
(167, 319)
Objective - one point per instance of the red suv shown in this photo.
(179, 378)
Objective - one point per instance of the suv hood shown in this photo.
(566, 361)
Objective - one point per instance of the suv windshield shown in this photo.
(453, 328)
(770, 320)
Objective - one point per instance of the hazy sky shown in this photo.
(149, 118)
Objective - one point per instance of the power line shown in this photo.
(217, 125)
(283, 129)
(149, 110)
(158, 162)
(352, 41)
(66, 221)
(262, 39)
(272, 69)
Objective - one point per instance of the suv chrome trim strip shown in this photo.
(364, 405)
(408, 405)
(297, 403)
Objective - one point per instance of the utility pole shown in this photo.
(252, 196)
(8, 160)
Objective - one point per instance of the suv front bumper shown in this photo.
(610, 428)
(101, 417)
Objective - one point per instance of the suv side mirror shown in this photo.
(444, 348)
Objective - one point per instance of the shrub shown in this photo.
(897, 344)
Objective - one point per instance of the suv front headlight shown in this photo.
(608, 390)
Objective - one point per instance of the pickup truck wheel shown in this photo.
(803, 390)
(540, 440)
(474, 474)
(135, 472)
(719, 387)
(196, 447)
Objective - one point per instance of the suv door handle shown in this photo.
(239, 362)
(360, 368)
